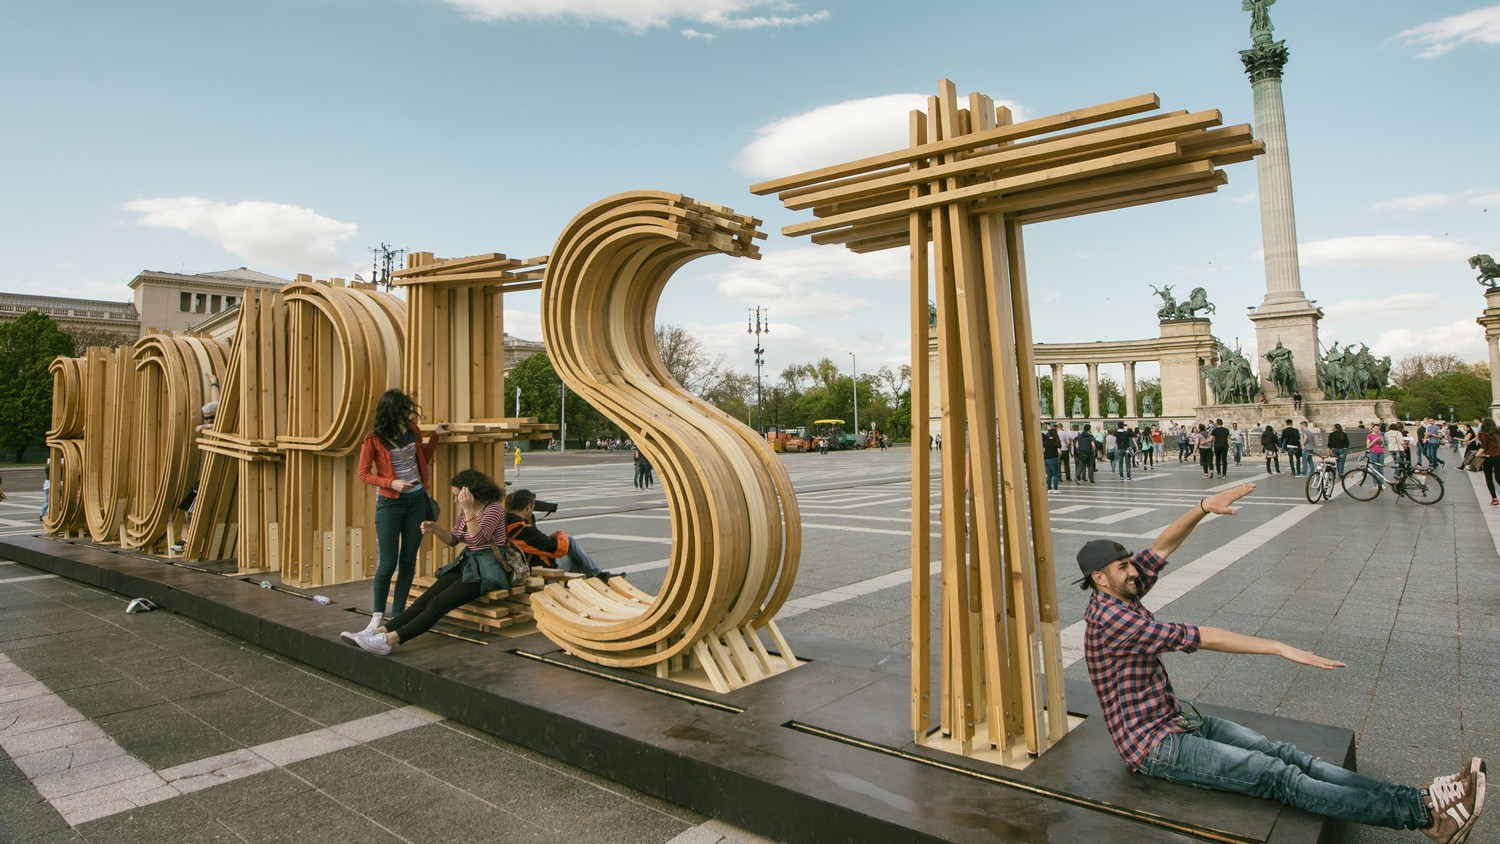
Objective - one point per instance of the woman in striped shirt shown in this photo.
(480, 526)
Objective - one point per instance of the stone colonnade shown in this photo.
(1182, 349)
(1491, 323)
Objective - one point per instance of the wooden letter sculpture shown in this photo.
(239, 496)
(455, 368)
(344, 350)
(171, 383)
(65, 445)
(736, 533)
(108, 438)
(965, 186)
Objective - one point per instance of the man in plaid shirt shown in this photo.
(1157, 736)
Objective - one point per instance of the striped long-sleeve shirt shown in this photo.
(1122, 646)
(489, 531)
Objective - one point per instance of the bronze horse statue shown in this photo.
(1489, 273)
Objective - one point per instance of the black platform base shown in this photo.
(819, 754)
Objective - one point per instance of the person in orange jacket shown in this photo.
(557, 550)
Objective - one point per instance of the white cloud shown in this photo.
(1391, 308)
(1391, 251)
(693, 33)
(260, 232)
(1441, 37)
(1463, 338)
(1426, 201)
(641, 15)
(828, 282)
(833, 133)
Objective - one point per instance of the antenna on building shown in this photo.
(387, 261)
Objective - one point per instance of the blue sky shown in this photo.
(293, 135)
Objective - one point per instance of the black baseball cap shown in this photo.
(1096, 554)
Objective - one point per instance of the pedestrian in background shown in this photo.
(1338, 446)
(1272, 447)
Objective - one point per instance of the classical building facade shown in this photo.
(178, 302)
(84, 318)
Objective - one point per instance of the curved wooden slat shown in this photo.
(735, 522)
(172, 385)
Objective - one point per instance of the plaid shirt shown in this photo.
(1121, 647)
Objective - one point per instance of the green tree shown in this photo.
(1466, 392)
(541, 392)
(27, 347)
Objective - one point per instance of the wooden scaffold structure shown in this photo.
(455, 369)
(239, 495)
(958, 198)
(736, 529)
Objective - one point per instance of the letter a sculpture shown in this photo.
(958, 197)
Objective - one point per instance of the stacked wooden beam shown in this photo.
(492, 611)
(109, 436)
(239, 494)
(735, 524)
(958, 197)
(344, 350)
(172, 386)
(455, 365)
(65, 445)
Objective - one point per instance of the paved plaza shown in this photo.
(222, 741)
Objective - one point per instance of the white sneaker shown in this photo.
(376, 619)
(375, 643)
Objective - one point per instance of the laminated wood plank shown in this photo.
(958, 197)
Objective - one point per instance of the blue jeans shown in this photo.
(1339, 454)
(1239, 450)
(1294, 457)
(1377, 459)
(1054, 471)
(398, 534)
(577, 560)
(1223, 755)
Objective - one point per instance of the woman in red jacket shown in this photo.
(394, 460)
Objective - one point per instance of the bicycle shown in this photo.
(1320, 482)
(1419, 485)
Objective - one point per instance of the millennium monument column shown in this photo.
(1285, 314)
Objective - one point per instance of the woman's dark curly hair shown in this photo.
(479, 485)
(394, 415)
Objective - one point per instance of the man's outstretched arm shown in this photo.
(1227, 641)
(1177, 532)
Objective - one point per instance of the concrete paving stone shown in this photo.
(250, 796)
(112, 799)
(246, 717)
(182, 682)
(114, 770)
(316, 698)
(304, 817)
(171, 820)
(640, 823)
(108, 698)
(41, 715)
(164, 736)
(23, 691)
(63, 758)
(386, 723)
(304, 746)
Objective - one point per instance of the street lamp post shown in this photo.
(854, 364)
(1450, 413)
(518, 402)
(759, 324)
(562, 419)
